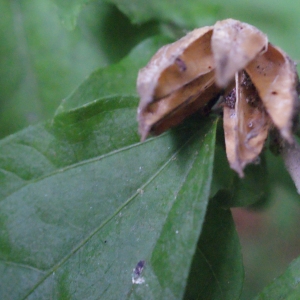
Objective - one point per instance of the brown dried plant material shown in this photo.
(172, 68)
(258, 82)
(275, 77)
(246, 124)
(172, 109)
(234, 45)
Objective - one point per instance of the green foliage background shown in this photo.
(82, 201)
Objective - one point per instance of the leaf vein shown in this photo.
(81, 163)
(21, 265)
(97, 229)
(212, 271)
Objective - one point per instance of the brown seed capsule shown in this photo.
(274, 75)
(246, 125)
(173, 79)
(234, 45)
(258, 81)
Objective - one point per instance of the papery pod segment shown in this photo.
(275, 77)
(259, 83)
(175, 78)
(246, 123)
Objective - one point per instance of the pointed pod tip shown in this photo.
(144, 132)
(238, 168)
(287, 136)
(240, 172)
(143, 138)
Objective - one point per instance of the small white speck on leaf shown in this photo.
(136, 276)
(140, 191)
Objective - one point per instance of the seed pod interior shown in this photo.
(246, 124)
(173, 80)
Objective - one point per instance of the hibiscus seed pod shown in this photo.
(258, 82)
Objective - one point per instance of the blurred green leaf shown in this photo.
(217, 271)
(286, 286)
(186, 14)
(194, 13)
(278, 19)
(115, 80)
(251, 189)
(112, 30)
(68, 11)
(40, 62)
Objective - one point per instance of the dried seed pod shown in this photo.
(234, 45)
(246, 124)
(259, 82)
(171, 110)
(275, 77)
(172, 68)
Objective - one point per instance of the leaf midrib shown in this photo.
(78, 164)
(117, 211)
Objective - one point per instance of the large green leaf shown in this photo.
(286, 286)
(83, 203)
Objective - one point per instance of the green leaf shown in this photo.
(191, 13)
(108, 28)
(115, 80)
(186, 14)
(69, 10)
(55, 188)
(82, 202)
(286, 286)
(217, 269)
(41, 62)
